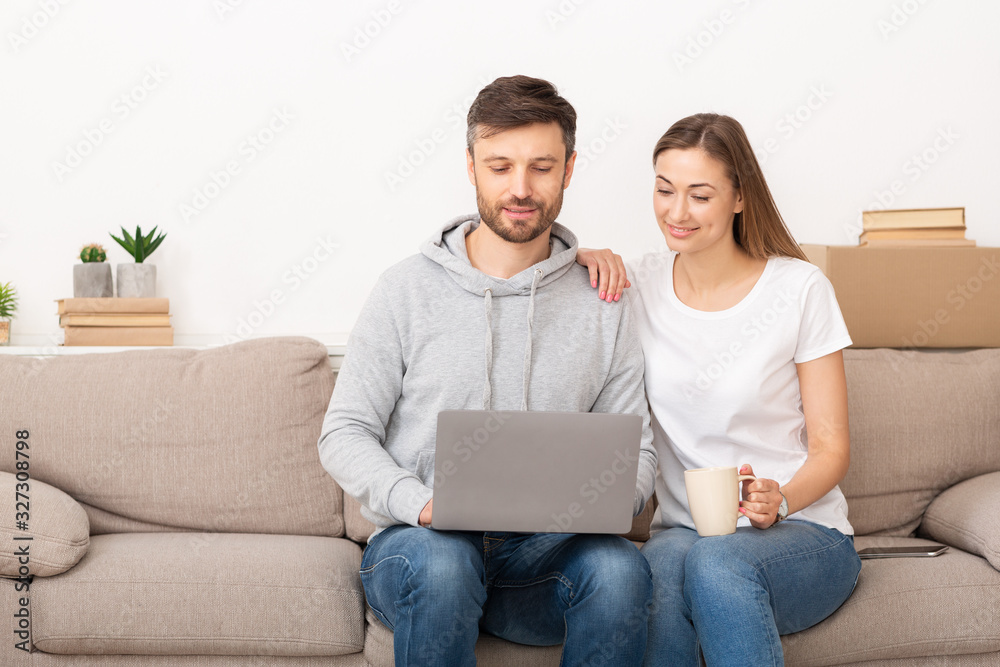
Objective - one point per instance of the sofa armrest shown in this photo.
(966, 517)
(57, 525)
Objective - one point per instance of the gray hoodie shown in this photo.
(437, 334)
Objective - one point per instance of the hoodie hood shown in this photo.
(447, 248)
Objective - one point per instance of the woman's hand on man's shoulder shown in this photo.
(607, 272)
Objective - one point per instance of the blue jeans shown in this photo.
(728, 598)
(436, 589)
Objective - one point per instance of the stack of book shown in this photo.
(923, 227)
(116, 321)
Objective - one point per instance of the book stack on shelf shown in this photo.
(926, 227)
(116, 321)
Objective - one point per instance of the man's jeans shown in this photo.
(731, 596)
(436, 589)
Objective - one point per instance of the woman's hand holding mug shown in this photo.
(761, 499)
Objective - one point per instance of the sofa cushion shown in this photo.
(57, 527)
(490, 651)
(212, 440)
(905, 608)
(204, 593)
(356, 526)
(920, 423)
(967, 516)
(39, 659)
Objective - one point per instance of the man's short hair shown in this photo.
(516, 101)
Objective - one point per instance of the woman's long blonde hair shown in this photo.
(759, 228)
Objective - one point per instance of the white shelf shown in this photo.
(63, 350)
(335, 349)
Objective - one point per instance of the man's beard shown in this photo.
(518, 231)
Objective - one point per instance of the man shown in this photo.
(494, 314)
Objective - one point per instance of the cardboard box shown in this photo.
(915, 297)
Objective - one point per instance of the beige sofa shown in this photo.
(179, 514)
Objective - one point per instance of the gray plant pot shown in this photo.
(136, 280)
(92, 279)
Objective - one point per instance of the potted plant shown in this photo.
(138, 280)
(8, 307)
(92, 278)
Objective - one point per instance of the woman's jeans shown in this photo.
(436, 589)
(728, 598)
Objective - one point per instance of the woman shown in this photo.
(743, 341)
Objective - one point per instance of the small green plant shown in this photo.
(93, 252)
(8, 301)
(141, 246)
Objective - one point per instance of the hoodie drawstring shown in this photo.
(527, 347)
(488, 388)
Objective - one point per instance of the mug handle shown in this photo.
(741, 478)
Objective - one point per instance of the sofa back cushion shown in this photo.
(42, 521)
(222, 440)
(920, 423)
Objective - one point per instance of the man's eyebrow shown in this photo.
(499, 158)
(693, 185)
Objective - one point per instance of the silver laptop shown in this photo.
(535, 472)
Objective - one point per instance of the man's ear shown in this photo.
(471, 165)
(569, 170)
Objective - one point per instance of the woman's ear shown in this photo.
(738, 208)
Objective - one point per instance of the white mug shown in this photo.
(714, 498)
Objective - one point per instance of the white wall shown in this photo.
(176, 89)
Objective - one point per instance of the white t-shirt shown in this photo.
(723, 387)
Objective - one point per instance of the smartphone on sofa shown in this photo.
(920, 551)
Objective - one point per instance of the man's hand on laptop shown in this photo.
(425, 514)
